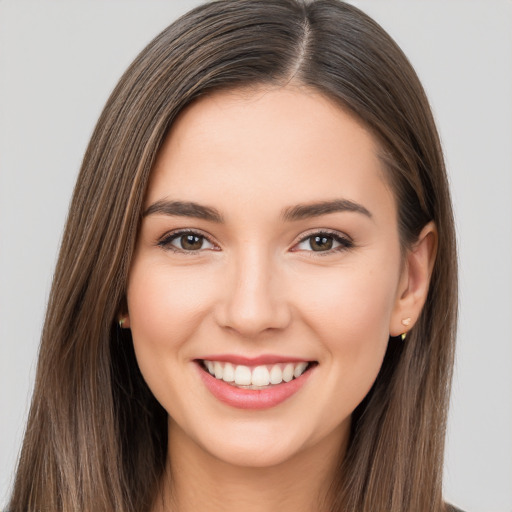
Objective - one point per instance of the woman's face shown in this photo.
(269, 254)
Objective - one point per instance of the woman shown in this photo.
(255, 300)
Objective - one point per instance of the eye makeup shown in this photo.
(320, 242)
(323, 242)
(186, 241)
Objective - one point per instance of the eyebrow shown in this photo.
(303, 211)
(292, 213)
(184, 209)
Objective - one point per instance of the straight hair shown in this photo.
(96, 438)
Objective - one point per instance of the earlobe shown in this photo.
(415, 281)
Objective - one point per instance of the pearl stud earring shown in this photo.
(405, 322)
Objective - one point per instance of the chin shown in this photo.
(253, 455)
(266, 442)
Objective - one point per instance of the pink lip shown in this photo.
(252, 361)
(252, 398)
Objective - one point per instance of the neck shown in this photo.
(196, 480)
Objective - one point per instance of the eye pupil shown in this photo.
(191, 242)
(321, 243)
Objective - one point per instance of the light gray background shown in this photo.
(58, 62)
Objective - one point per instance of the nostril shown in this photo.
(249, 319)
(252, 300)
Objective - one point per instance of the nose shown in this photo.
(254, 300)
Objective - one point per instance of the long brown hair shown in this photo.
(96, 438)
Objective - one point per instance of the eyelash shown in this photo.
(344, 242)
(166, 241)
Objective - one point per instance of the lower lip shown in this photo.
(252, 398)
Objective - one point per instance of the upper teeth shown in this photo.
(255, 376)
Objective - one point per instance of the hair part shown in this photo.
(99, 441)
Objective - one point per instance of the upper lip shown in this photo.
(252, 361)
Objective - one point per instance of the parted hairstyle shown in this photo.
(96, 438)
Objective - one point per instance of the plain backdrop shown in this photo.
(59, 60)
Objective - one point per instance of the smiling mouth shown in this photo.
(255, 377)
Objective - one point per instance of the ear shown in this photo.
(414, 281)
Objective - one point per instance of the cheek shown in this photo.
(164, 305)
(350, 313)
(165, 309)
(355, 302)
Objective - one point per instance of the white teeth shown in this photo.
(217, 368)
(255, 377)
(276, 375)
(288, 372)
(260, 376)
(299, 369)
(229, 373)
(243, 375)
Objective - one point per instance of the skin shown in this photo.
(255, 286)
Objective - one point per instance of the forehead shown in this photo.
(278, 145)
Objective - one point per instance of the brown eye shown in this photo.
(190, 242)
(321, 243)
(324, 242)
(186, 242)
